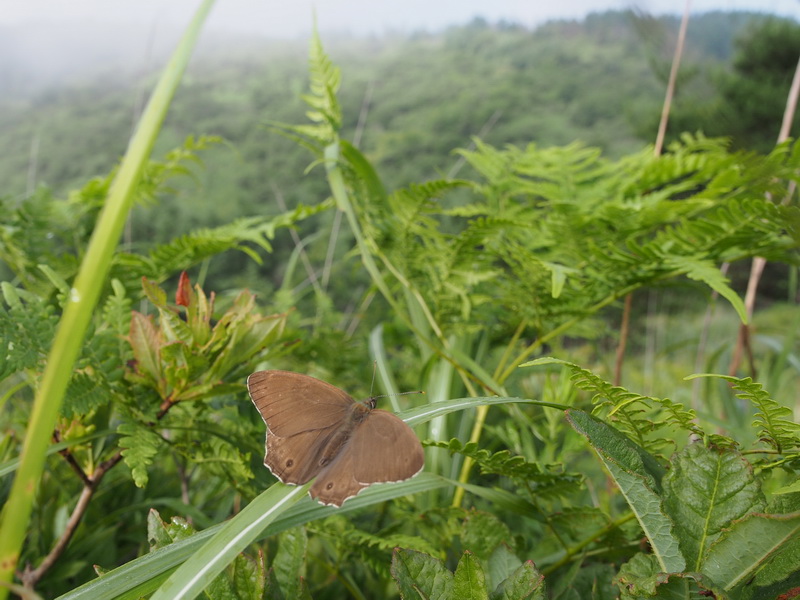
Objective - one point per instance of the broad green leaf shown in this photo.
(157, 535)
(704, 492)
(501, 564)
(482, 532)
(629, 465)
(146, 342)
(641, 578)
(469, 581)
(249, 577)
(525, 583)
(749, 545)
(290, 561)
(421, 576)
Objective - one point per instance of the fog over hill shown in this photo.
(35, 56)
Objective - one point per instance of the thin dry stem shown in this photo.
(673, 76)
(757, 268)
(623, 339)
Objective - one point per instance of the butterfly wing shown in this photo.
(302, 415)
(382, 448)
(291, 403)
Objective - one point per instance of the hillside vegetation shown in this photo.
(472, 213)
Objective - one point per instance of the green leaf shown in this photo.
(501, 564)
(749, 545)
(469, 581)
(636, 474)
(482, 532)
(710, 274)
(85, 393)
(289, 565)
(704, 492)
(639, 417)
(145, 340)
(157, 535)
(641, 578)
(525, 583)
(420, 575)
(140, 446)
(249, 577)
(775, 422)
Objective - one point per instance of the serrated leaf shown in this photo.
(704, 492)
(249, 577)
(482, 532)
(420, 574)
(749, 545)
(289, 565)
(501, 564)
(633, 472)
(84, 394)
(525, 583)
(469, 581)
(774, 421)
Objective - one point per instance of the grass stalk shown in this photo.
(80, 306)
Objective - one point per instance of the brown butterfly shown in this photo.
(314, 429)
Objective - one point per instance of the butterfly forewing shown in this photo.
(291, 403)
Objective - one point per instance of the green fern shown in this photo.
(542, 483)
(140, 445)
(639, 417)
(774, 421)
(27, 327)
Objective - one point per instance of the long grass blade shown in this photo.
(83, 298)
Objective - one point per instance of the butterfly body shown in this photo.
(315, 429)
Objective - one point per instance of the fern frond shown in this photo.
(774, 421)
(543, 483)
(139, 446)
(635, 415)
(189, 249)
(27, 327)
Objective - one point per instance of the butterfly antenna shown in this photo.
(374, 370)
(397, 394)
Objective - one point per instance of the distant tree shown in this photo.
(753, 95)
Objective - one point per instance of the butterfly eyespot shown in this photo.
(289, 463)
(329, 486)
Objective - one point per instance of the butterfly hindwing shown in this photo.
(382, 448)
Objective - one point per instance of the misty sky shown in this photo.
(293, 18)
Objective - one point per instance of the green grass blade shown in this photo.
(420, 414)
(82, 302)
(235, 535)
(144, 574)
